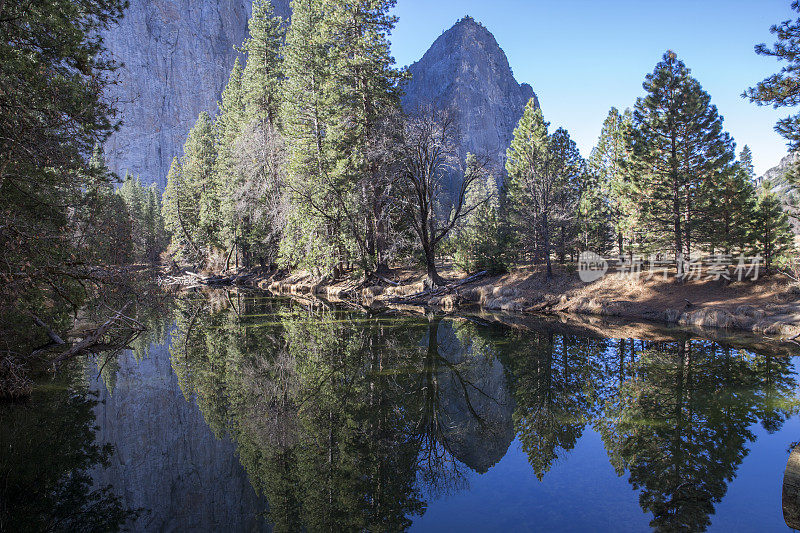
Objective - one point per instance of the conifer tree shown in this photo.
(131, 192)
(154, 225)
(54, 76)
(680, 149)
(311, 237)
(197, 176)
(340, 84)
(263, 72)
(363, 89)
(746, 163)
(772, 234)
(609, 161)
(727, 207)
(175, 199)
(782, 89)
(595, 219)
(544, 174)
(228, 126)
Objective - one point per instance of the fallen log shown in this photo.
(446, 289)
(92, 339)
(50, 333)
(385, 280)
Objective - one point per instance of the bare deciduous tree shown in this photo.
(258, 200)
(430, 159)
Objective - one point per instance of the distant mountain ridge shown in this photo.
(777, 174)
(178, 55)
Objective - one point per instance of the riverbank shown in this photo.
(769, 306)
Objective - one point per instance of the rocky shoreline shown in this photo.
(767, 308)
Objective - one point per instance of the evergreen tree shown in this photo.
(228, 126)
(340, 85)
(362, 89)
(681, 152)
(197, 165)
(609, 161)
(263, 74)
(180, 215)
(311, 237)
(545, 174)
(251, 148)
(154, 225)
(54, 74)
(772, 233)
(131, 192)
(596, 228)
(782, 89)
(746, 163)
(728, 207)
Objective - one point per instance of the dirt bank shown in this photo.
(769, 306)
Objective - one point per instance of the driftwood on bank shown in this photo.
(438, 291)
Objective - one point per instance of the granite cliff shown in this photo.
(777, 174)
(178, 55)
(466, 71)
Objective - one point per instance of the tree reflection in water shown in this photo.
(48, 455)
(353, 422)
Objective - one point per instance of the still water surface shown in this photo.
(248, 413)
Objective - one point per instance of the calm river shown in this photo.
(244, 413)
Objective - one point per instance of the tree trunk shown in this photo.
(433, 278)
(546, 242)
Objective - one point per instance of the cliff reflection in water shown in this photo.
(255, 412)
(349, 422)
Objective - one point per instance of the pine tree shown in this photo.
(132, 193)
(311, 237)
(545, 174)
(728, 205)
(179, 212)
(595, 219)
(525, 161)
(362, 90)
(340, 85)
(680, 149)
(263, 72)
(251, 147)
(203, 190)
(772, 233)
(746, 163)
(228, 127)
(153, 224)
(609, 161)
(782, 89)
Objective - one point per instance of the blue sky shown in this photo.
(584, 56)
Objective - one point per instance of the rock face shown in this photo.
(466, 71)
(178, 55)
(776, 175)
(166, 459)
